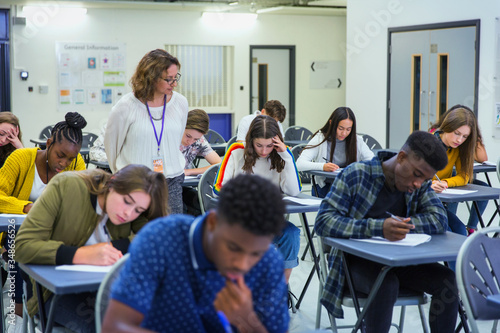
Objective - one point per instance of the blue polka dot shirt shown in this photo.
(171, 282)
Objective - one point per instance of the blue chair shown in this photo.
(478, 276)
(102, 299)
(371, 142)
(206, 187)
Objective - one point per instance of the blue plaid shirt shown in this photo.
(342, 215)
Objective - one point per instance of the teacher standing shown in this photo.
(146, 125)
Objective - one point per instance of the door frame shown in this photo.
(291, 87)
(5, 90)
(433, 26)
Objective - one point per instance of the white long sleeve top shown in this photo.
(314, 158)
(287, 180)
(130, 138)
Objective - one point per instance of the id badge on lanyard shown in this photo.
(158, 165)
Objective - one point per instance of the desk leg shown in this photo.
(371, 296)
(41, 309)
(52, 310)
(497, 211)
(305, 225)
(480, 218)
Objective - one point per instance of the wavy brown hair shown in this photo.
(262, 127)
(329, 131)
(10, 118)
(454, 119)
(149, 70)
(132, 178)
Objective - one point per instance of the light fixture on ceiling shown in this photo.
(269, 10)
(229, 20)
(55, 8)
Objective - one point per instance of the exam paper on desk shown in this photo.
(302, 201)
(409, 240)
(457, 191)
(85, 268)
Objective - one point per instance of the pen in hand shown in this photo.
(107, 233)
(396, 218)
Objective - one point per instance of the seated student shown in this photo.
(364, 192)
(27, 171)
(272, 108)
(480, 156)
(194, 144)
(265, 154)
(458, 134)
(333, 146)
(10, 135)
(219, 262)
(88, 217)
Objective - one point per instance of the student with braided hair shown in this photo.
(27, 171)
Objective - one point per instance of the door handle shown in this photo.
(429, 103)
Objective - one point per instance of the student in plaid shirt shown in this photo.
(357, 207)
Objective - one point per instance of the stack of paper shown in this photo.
(410, 240)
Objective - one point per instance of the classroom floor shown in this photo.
(305, 318)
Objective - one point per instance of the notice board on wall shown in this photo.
(91, 76)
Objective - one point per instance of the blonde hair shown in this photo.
(9, 118)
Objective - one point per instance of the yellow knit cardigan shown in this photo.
(17, 176)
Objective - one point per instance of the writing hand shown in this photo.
(330, 167)
(394, 229)
(278, 144)
(439, 186)
(101, 254)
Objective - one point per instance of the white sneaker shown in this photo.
(14, 325)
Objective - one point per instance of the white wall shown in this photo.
(316, 38)
(366, 65)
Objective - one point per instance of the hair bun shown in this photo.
(75, 120)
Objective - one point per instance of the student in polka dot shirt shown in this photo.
(183, 270)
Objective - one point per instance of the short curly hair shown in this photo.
(254, 203)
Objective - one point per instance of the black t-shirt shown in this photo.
(388, 201)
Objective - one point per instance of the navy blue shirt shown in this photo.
(170, 281)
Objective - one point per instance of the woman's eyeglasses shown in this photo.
(172, 81)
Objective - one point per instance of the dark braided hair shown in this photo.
(70, 129)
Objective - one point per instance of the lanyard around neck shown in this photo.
(158, 141)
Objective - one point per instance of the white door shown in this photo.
(271, 78)
(430, 71)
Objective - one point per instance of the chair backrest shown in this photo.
(298, 133)
(498, 169)
(478, 274)
(214, 137)
(305, 178)
(46, 133)
(206, 187)
(102, 299)
(370, 141)
(88, 139)
(231, 141)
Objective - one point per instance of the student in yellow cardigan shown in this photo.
(458, 133)
(27, 171)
